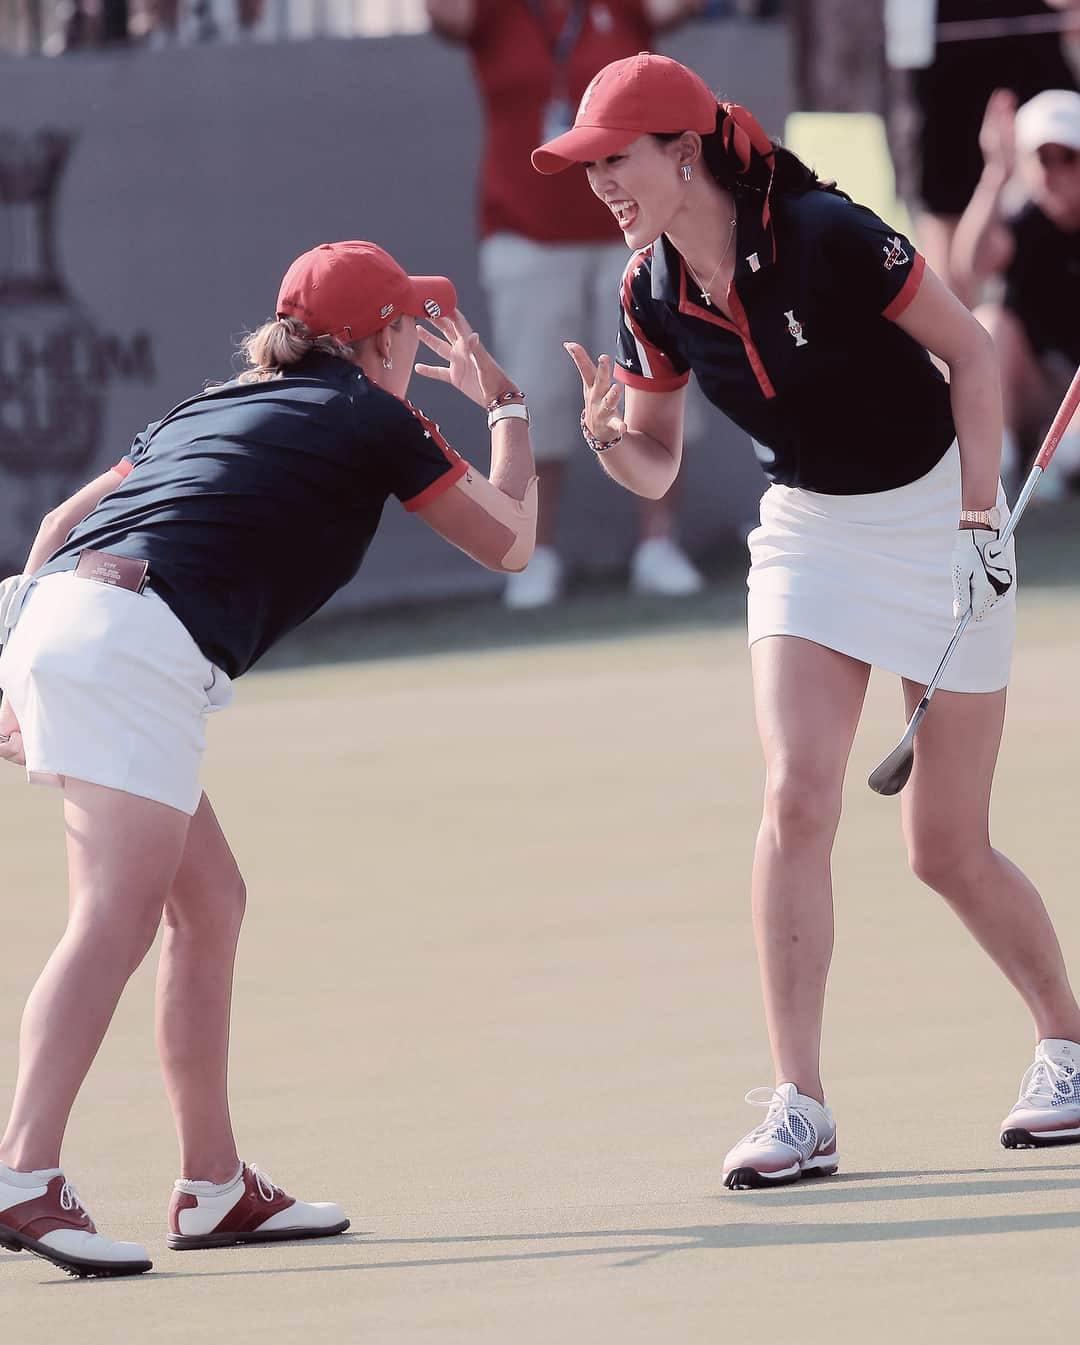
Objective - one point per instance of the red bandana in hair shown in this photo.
(742, 135)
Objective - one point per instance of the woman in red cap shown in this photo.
(228, 523)
(810, 323)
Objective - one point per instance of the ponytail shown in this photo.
(281, 343)
(740, 155)
(743, 159)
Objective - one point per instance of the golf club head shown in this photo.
(892, 774)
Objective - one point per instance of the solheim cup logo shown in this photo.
(55, 365)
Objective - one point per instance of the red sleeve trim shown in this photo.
(908, 290)
(123, 467)
(669, 384)
(437, 488)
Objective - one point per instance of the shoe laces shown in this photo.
(1048, 1081)
(267, 1188)
(782, 1122)
(69, 1198)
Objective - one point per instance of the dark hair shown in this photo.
(789, 175)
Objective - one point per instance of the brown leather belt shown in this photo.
(116, 571)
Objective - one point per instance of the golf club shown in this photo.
(891, 774)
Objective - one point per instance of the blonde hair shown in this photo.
(282, 342)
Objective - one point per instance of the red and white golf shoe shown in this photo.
(796, 1139)
(251, 1208)
(41, 1212)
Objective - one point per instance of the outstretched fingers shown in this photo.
(438, 344)
(601, 393)
(582, 362)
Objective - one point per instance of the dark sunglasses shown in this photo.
(1057, 156)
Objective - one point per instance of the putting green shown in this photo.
(497, 996)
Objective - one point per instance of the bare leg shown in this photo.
(203, 912)
(122, 854)
(656, 518)
(808, 700)
(551, 476)
(946, 810)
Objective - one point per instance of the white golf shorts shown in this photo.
(109, 687)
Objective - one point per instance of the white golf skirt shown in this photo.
(871, 576)
(109, 687)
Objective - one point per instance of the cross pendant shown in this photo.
(705, 296)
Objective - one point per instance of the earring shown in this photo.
(387, 364)
(687, 172)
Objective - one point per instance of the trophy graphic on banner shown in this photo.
(54, 364)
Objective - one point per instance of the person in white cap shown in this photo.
(1033, 250)
(230, 521)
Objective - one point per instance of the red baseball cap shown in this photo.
(351, 289)
(628, 98)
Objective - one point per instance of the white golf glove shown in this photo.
(982, 572)
(13, 593)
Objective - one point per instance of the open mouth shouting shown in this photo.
(625, 212)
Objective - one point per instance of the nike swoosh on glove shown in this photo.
(982, 572)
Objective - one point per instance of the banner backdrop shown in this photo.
(150, 201)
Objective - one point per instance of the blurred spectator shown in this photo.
(1035, 248)
(952, 92)
(551, 259)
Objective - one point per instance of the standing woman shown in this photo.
(808, 321)
(227, 524)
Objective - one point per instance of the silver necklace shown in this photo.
(705, 289)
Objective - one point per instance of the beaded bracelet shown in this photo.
(593, 442)
(512, 396)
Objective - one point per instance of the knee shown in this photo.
(801, 806)
(214, 909)
(123, 940)
(950, 865)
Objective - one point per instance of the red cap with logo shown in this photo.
(636, 96)
(351, 289)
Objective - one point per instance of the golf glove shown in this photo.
(982, 571)
(13, 593)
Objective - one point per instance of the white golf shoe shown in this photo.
(41, 1212)
(796, 1139)
(1048, 1108)
(540, 583)
(250, 1208)
(659, 566)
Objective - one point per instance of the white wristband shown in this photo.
(511, 411)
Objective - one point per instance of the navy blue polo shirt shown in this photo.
(255, 502)
(837, 397)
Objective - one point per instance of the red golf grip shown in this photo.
(1061, 423)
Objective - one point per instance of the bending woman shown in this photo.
(227, 524)
(808, 321)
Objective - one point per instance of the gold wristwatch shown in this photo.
(981, 518)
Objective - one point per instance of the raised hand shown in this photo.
(601, 394)
(997, 135)
(469, 365)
